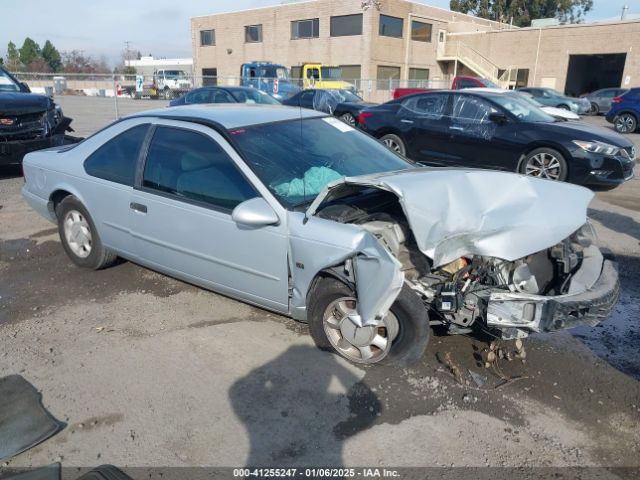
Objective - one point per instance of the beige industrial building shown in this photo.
(387, 43)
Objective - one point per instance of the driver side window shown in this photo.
(191, 165)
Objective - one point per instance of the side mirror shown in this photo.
(255, 212)
(498, 117)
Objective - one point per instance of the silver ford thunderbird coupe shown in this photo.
(301, 214)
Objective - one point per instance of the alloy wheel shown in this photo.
(392, 144)
(367, 344)
(349, 119)
(625, 123)
(544, 165)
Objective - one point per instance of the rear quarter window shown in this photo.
(116, 159)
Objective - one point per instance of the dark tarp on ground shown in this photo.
(24, 422)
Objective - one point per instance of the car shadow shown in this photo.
(299, 408)
(616, 222)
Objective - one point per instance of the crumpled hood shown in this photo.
(19, 103)
(455, 212)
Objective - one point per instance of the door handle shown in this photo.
(138, 207)
(406, 121)
(458, 129)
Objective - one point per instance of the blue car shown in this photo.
(625, 112)
(225, 95)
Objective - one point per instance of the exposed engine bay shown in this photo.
(474, 292)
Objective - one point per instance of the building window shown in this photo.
(345, 25)
(305, 28)
(351, 73)
(253, 33)
(388, 78)
(420, 31)
(390, 26)
(207, 37)
(418, 78)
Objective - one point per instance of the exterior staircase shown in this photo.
(481, 65)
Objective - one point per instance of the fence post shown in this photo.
(115, 96)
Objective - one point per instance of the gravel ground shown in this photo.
(150, 371)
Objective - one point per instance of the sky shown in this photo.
(159, 27)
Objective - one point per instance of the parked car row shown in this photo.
(502, 131)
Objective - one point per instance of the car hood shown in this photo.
(18, 103)
(454, 212)
(560, 113)
(585, 131)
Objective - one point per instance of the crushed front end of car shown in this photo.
(30, 122)
(491, 251)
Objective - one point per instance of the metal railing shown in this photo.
(476, 61)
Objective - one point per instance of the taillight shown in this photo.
(363, 116)
(617, 99)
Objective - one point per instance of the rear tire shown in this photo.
(349, 119)
(394, 142)
(625, 123)
(408, 341)
(79, 236)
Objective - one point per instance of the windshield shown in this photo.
(348, 96)
(331, 73)
(270, 71)
(488, 83)
(174, 74)
(522, 108)
(296, 159)
(7, 84)
(253, 95)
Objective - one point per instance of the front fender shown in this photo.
(318, 244)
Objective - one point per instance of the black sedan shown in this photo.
(340, 103)
(500, 132)
(225, 95)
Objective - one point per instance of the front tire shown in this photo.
(399, 340)
(394, 142)
(595, 109)
(79, 236)
(545, 163)
(625, 123)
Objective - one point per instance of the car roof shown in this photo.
(232, 115)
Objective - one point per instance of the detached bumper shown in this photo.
(537, 313)
(12, 152)
(587, 308)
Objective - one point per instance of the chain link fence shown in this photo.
(149, 87)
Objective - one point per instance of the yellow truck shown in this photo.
(318, 75)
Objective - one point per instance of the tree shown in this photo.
(13, 57)
(29, 51)
(51, 55)
(523, 11)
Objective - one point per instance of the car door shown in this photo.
(477, 141)
(424, 124)
(305, 100)
(181, 217)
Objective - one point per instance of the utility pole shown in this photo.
(624, 12)
(127, 55)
